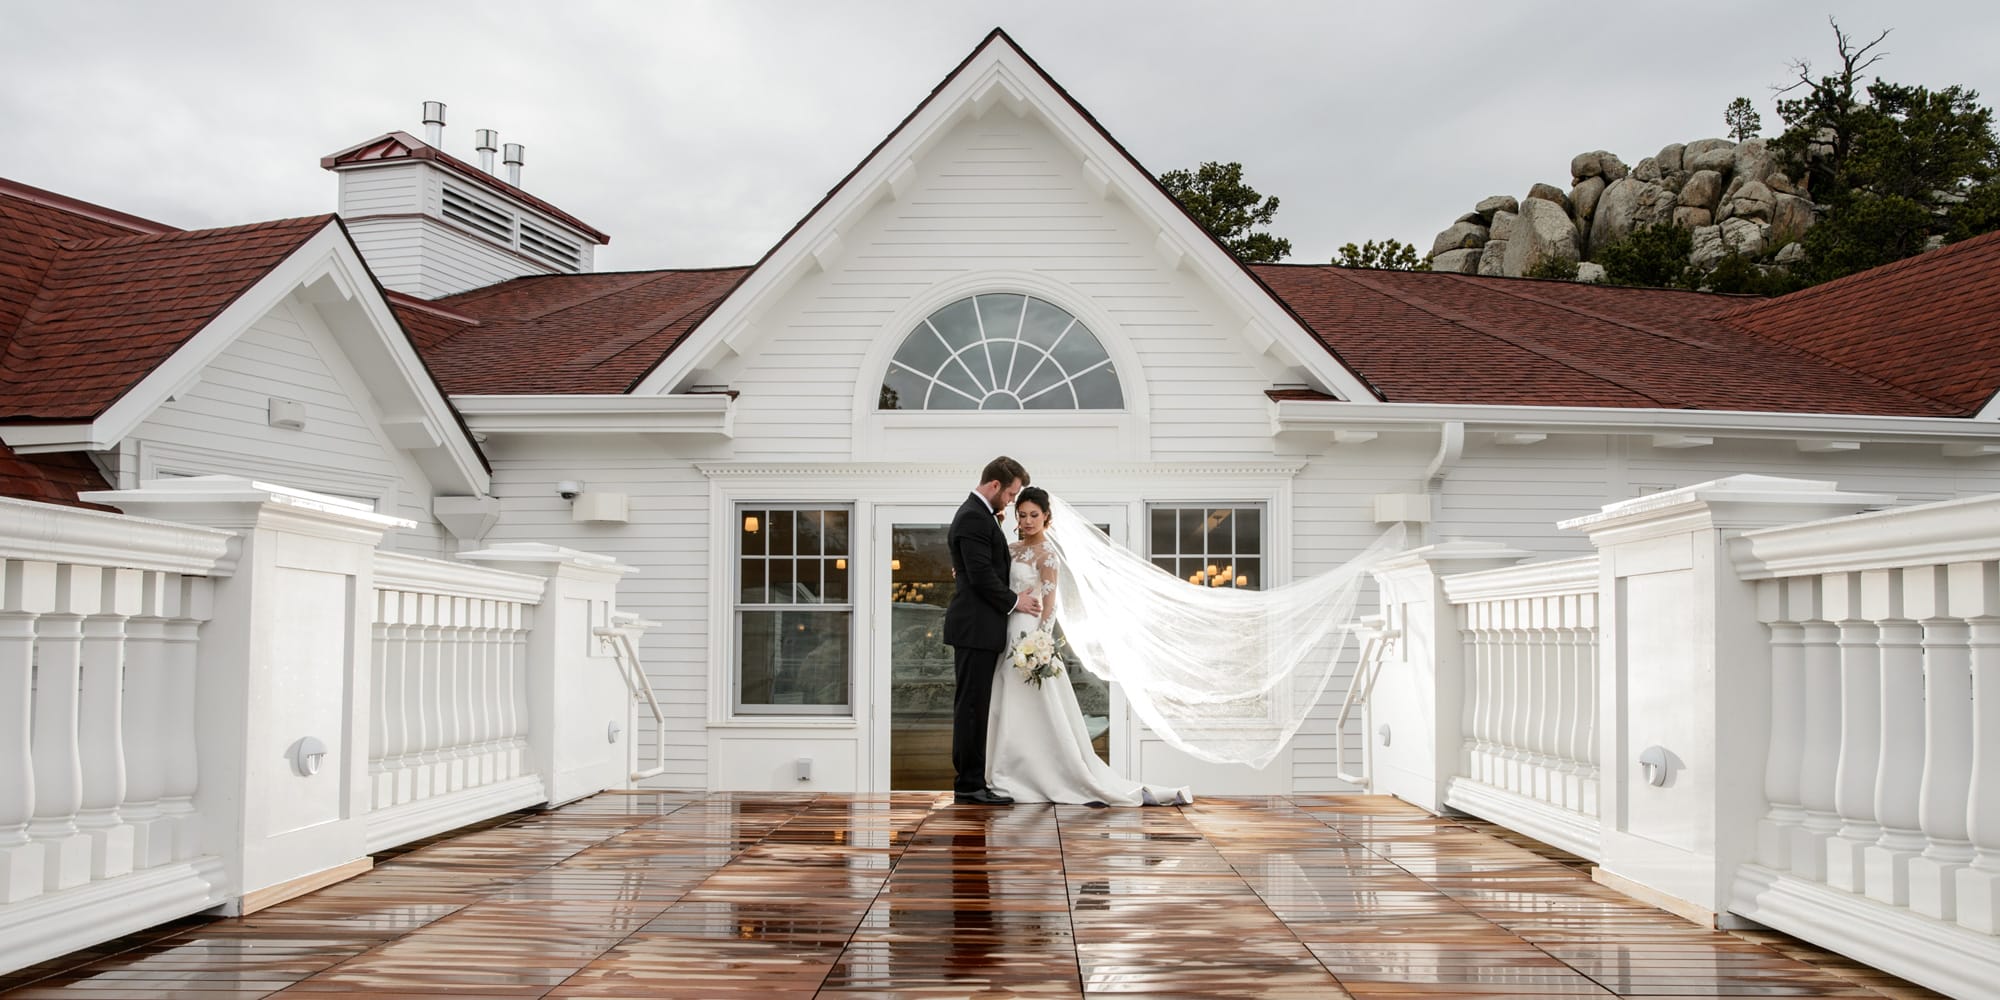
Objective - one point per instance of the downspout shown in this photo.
(1451, 446)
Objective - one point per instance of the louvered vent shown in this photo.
(478, 216)
(539, 242)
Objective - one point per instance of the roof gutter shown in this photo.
(1958, 434)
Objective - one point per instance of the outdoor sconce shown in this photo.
(1383, 734)
(568, 489)
(1657, 765)
(306, 756)
(611, 732)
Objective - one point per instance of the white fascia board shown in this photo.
(328, 254)
(695, 413)
(999, 64)
(1325, 416)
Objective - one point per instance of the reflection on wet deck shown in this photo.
(662, 894)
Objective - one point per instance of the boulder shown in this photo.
(1542, 232)
(1549, 192)
(1712, 243)
(1668, 159)
(1589, 273)
(1470, 217)
(1612, 168)
(1584, 165)
(1708, 249)
(1747, 237)
(1782, 184)
(1753, 201)
(1461, 236)
(1656, 205)
(1647, 170)
(1503, 222)
(1612, 221)
(1790, 254)
(1498, 203)
(1752, 161)
(1702, 190)
(1689, 217)
(1583, 197)
(1458, 261)
(1791, 216)
(1718, 155)
(1493, 257)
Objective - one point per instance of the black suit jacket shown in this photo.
(977, 615)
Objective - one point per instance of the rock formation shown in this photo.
(1733, 197)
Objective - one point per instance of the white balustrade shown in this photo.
(1529, 643)
(449, 688)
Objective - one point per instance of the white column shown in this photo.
(1947, 781)
(1860, 733)
(20, 857)
(180, 751)
(1975, 593)
(1778, 608)
(145, 723)
(101, 726)
(1822, 750)
(58, 761)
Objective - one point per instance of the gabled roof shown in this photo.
(107, 311)
(402, 147)
(579, 333)
(1460, 339)
(1929, 324)
(999, 72)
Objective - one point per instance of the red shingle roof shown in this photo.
(1449, 338)
(576, 333)
(1929, 324)
(50, 478)
(108, 307)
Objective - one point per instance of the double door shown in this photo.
(912, 673)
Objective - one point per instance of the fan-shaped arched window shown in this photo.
(1001, 351)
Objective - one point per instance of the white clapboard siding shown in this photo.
(999, 196)
(221, 426)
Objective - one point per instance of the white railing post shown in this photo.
(1426, 694)
(1901, 705)
(1782, 607)
(20, 855)
(1860, 752)
(577, 701)
(1975, 596)
(101, 725)
(1947, 780)
(283, 684)
(1821, 758)
(58, 759)
(1686, 699)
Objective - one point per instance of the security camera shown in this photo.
(568, 489)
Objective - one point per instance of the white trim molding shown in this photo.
(709, 414)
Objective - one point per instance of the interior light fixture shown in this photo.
(895, 564)
(750, 523)
(840, 564)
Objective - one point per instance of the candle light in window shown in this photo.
(1242, 580)
(896, 564)
(840, 564)
(1211, 569)
(750, 523)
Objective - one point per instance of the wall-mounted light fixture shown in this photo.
(750, 523)
(306, 756)
(568, 489)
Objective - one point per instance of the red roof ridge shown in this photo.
(1517, 288)
(1928, 258)
(407, 301)
(177, 235)
(378, 151)
(1529, 344)
(77, 206)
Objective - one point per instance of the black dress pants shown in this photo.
(970, 703)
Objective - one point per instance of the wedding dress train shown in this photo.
(1037, 747)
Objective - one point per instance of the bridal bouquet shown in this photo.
(1035, 656)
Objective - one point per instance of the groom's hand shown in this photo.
(1029, 603)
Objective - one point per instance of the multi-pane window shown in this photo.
(1210, 546)
(1001, 351)
(794, 610)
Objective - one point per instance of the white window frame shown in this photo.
(737, 610)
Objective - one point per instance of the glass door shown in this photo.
(917, 663)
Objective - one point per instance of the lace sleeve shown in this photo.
(1045, 566)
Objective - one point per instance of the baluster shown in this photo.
(145, 698)
(20, 857)
(381, 785)
(101, 725)
(1947, 781)
(1975, 594)
(496, 692)
(451, 692)
(517, 661)
(1541, 698)
(187, 607)
(1588, 659)
(1488, 706)
(479, 769)
(1860, 733)
(427, 711)
(1900, 779)
(1513, 709)
(463, 666)
(1779, 604)
(406, 663)
(58, 765)
(1562, 722)
(1472, 749)
(1822, 749)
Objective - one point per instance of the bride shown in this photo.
(1037, 748)
(1224, 674)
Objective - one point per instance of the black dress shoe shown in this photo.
(982, 797)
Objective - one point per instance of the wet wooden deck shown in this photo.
(661, 894)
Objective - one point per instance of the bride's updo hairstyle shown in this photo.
(1040, 498)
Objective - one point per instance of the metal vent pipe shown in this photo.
(515, 156)
(434, 123)
(489, 143)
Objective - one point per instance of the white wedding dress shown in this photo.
(1037, 748)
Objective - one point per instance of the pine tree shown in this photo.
(1742, 119)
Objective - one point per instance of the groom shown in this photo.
(975, 624)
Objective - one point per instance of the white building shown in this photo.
(775, 447)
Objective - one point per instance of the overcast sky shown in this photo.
(697, 133)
